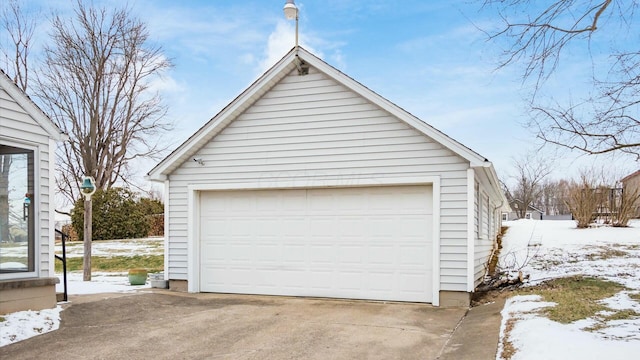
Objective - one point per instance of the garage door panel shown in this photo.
(413, 256)
(412, 282)
(380, 255)
(350, 281)
(241, 277)
(295, 254)
(381, 282)
(321, 280)
(350, 255)
(293, 226)
(351, 227)
(321, 229)
(292, 279)
(368, 243)
(321, 255)
(383, 228)
(269, 254)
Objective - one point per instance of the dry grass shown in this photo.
(153, 263)
(508, 350)
(493, 262)
(605, 253)
(576, 297)
(618, 315)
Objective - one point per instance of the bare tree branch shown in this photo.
(96, 85)
(20, 29)
(530, 172)
(606, 120)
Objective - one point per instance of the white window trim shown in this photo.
(37, 258)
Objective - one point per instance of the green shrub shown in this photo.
(154, 210)
(117, 214)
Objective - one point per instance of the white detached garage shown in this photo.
(310, 184)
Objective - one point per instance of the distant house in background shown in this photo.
(631, 183)
(27, 156)
(531, 213)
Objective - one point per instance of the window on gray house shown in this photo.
(16, 210)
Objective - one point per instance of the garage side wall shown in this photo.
(487, 225)
(309, 129)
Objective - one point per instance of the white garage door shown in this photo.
(360, 243)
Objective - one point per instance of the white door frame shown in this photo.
(193, 215)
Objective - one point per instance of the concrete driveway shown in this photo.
(169, 325)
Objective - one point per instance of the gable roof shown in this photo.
(19, 96)
(530, 207)
(270, 78)
(630, 176)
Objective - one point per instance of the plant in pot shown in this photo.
(137, 276)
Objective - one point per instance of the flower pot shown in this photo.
(137, 276)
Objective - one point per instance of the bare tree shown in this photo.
(530, 171)
(20, 29)
(538, 35)
(585, 195)
(95, 83)
(552, 195)
(627, 205)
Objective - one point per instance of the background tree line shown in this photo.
(592, 195)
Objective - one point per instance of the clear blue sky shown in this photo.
(427, 57)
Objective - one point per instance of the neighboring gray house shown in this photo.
(631, 185)
(310, 184)
(532, 212)
(27, 145)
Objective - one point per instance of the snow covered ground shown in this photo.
(542, 249)
(550, 249)
(25, 324)
(146, 246)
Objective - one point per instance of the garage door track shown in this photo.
(168, 325)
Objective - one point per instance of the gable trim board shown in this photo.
(324, 131)
(275, 74)
(52, 130)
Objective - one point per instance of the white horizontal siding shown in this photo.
(485, 240)
(18, 128)
(17, 124)
(312, 128)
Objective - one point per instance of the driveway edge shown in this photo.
(476, 336)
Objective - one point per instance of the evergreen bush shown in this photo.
(117, 214)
